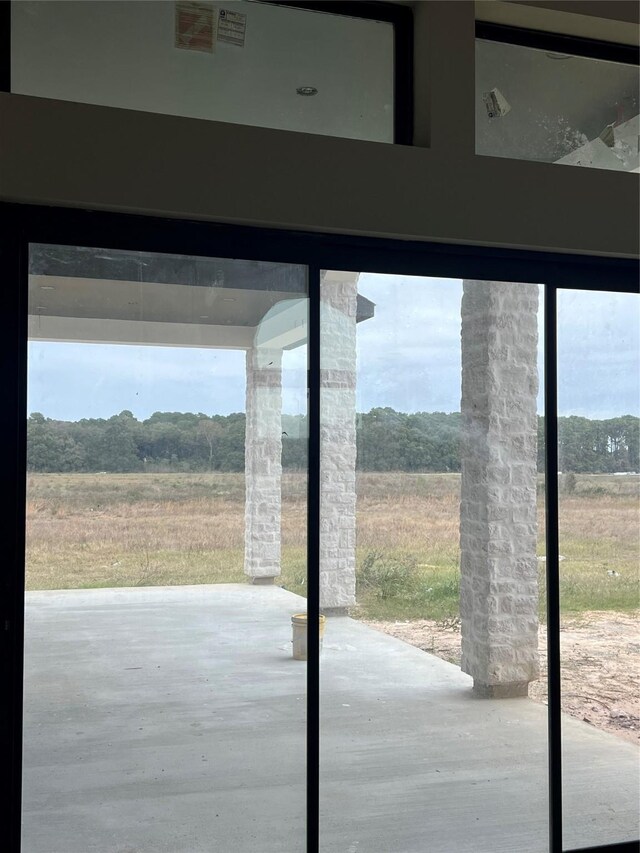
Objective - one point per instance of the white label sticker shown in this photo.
(232, 27)
(496, 103)
(195, 26)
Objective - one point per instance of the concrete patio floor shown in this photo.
(172, 719)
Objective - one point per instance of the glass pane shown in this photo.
(163, 710)
(429, 569)
(598, 435)
(537, 105)
(247, 62)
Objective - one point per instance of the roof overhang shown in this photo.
(117, 297)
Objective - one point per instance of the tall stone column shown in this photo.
(339, 293)
(263, 464)
(498, 583)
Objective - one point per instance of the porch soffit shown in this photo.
(95, 295)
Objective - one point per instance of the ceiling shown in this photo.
(606, 20)
(96, 295)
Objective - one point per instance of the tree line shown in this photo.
(386, 441)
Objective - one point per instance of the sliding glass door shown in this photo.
(434, 569)
(431, 503)
(166, 530)
(330, 545)
(599, 543)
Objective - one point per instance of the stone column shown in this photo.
(263, 464)
(498, 583)
(339, 292)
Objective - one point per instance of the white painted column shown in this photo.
(339, 293)
(498, 583)
(263, 464)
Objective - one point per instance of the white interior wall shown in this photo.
(52, 152)
(123, 54)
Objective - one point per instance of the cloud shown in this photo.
(72, 381)
(598, 354)
(409, 352)
(408, 358)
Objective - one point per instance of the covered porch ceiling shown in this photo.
(121, 297)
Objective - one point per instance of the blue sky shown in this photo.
(408, 358)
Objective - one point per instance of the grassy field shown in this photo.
(104, 530)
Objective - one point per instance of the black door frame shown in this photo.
(21, 225)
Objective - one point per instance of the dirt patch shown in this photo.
(600, 659)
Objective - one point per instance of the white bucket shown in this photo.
(299, 625)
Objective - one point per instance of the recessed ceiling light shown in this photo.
(47, 287)
(40, 308)
(204, 317)
(307, 90)
(228, 299)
